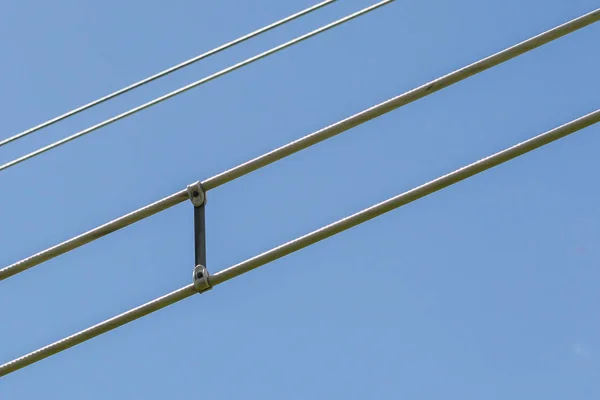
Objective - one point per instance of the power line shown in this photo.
(309, 239)
(305, 142)
(166, 71)
(193, 85)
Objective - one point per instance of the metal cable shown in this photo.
(309, 239)
(303, 143)
(166, 72)
(193, 85)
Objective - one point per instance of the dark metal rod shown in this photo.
(200, 235)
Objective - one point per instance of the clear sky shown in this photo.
(485, 290)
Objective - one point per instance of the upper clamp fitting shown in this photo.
(196, 194)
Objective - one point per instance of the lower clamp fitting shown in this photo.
(201, 279)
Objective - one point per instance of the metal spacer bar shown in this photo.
(197, 196)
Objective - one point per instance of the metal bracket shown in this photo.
(201, 275)
(196, 194)
(201, 282)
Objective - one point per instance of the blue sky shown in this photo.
(487, 289)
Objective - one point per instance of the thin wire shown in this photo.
(194, 84)
(303, 143)
(166, 71)
(309, 239)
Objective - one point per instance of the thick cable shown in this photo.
(302, 143)
(166, 71)
(309, 239)
(193, 85)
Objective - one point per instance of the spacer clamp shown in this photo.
(196, 194)
(201, 282)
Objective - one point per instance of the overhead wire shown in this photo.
(308, 239)
(305, 142)
(194, 84)
(166, 71)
